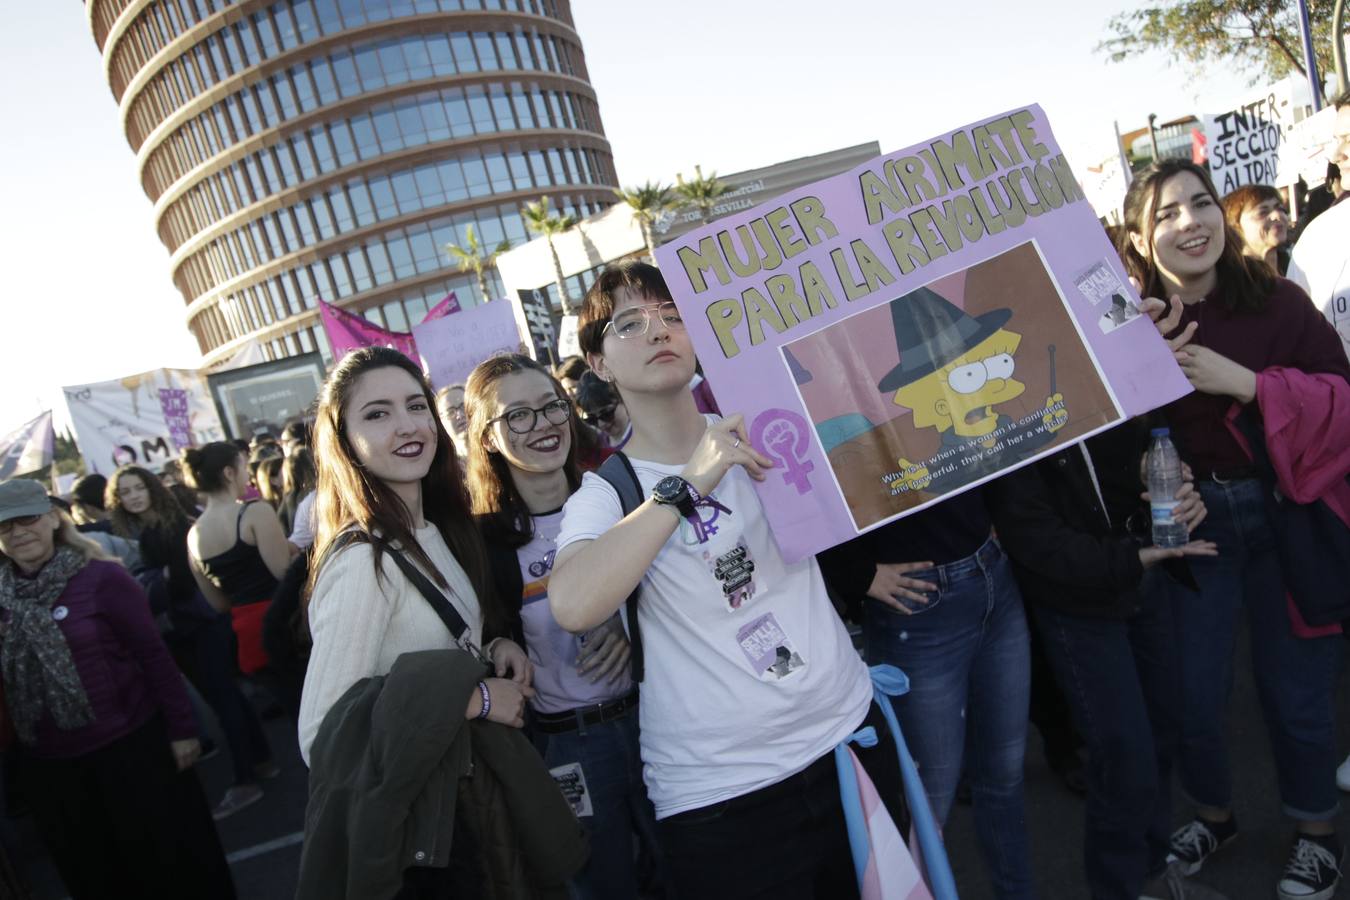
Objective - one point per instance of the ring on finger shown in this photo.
(736, 444)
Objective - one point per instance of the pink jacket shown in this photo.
(1307, 429)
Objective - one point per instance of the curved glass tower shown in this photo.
(304, 149)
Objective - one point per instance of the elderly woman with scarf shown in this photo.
(106, 737)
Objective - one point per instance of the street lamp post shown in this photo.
(1153, 135)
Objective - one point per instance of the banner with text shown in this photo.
(1243, 144)
(265, 398)
(146, 419)
(912, 328)
(452, 346)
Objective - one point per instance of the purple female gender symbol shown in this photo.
(784, 435)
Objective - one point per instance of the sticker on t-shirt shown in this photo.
(572, 782)
(768, 649)
(735, 571)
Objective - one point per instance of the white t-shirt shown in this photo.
(1321, 266)
(749, 674)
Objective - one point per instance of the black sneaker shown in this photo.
(1196, 841)
(1312, 872)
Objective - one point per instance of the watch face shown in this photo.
(669, 489)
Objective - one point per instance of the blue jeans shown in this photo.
(968, 657)
(1295, 677)
(612, 768)
(1120, 680)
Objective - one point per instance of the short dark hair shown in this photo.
(295, 431)
(593, 393)
(89, 490)
(571, 368)
(598, 306)
(1342, 100)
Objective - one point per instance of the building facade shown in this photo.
(305, 149)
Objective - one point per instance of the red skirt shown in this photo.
(248, 627)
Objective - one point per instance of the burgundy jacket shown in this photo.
(121, 660)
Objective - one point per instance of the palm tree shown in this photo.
(700, 193)
(471, 258)
(540, 219)
(648, 202)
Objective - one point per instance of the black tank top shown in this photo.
(240, 571)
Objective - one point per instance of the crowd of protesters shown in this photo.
(515, 649)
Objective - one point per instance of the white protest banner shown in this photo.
(1307, 149)
(1243, 143)
(569, 343)
(452, 346)
(145, 419)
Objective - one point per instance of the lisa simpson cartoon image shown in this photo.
(954, 370)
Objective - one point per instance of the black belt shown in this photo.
(557, 723)
(1224, 475)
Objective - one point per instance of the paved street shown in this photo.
(264, 848)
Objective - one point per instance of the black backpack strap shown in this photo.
(618, 471)
(443, 607)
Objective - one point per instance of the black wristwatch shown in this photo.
(675, 491)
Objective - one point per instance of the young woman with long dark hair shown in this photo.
(388, 471)
(1240, 334)
(522, 462)
(202, 637)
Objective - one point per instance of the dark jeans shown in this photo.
(967, 655)
(207, 656)
(620, 811)
(1120, 680)
(787, 841)
(122, 820)
(1295, 677)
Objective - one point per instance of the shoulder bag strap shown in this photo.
(624, 480)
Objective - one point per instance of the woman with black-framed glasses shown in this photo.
(522, 463)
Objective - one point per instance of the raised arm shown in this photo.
(591, 578)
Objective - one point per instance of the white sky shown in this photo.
(732, 86)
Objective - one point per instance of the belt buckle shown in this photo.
(1214, 477)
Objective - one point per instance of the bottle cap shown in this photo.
(1161, 432)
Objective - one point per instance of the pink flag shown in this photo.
(449, 304)
(347, 331)
(891, 873)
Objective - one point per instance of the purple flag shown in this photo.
(27, 448)
(449, 304)
(347, 331)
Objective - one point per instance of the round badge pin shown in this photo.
(59, 613)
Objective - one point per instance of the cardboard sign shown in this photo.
(912, 328)
(450, 347)
(1243, 144)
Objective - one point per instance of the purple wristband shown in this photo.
(487, 700)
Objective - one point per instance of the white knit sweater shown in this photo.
(362, 623)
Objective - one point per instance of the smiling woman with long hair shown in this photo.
(388, 474)
(1256, 351)
(522, 452)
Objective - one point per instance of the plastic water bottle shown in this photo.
(1164, 480)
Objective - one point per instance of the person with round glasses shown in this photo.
(106, 734)
(522, 466)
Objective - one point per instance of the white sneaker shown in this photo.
(1343, 775)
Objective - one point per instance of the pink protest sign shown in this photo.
(453, 345)
(347, 331)
(917, 326)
